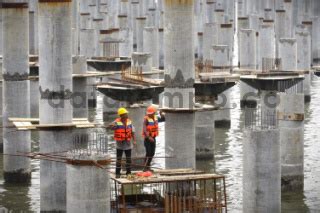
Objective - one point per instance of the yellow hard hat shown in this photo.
(122, 111)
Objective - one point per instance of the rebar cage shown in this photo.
(197, 196)
(260, 119)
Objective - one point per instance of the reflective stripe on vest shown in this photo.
(122, 132)
(152, 126)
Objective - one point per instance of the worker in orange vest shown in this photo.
(123, 135)
(150, 132)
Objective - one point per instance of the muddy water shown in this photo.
(228, 161)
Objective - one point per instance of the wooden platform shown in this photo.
(167, 176)
(33, 124)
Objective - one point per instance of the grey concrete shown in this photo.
(210, 7)
(126, 36)
(267, 48)
(304, 58)
(140, 23)
(210, 37)
(142, 60)
(261, 171)
(16, 92)
(200, 45)
(226, 37)
(247, 49)
(316, 41)
(179, 64)
(279, 29)
(34, 99)
(136, 114)
(80, 98)
(292, 142)
(288, 54)
(204, 135)
(33, 28)
(55, 63)
(151, 44)
(88, 187)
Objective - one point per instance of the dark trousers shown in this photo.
(128, 160)
(150, 151)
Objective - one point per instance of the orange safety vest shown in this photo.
(122, 132)
(152, 126)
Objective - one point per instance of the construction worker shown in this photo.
(123, 135)
(150, 132)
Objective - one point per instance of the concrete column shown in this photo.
(304, 58)
(288, 54)
(221, 59)
(34, 98)
(247, 49)
(151, 44)
(210, 5)
(267, 42)
(261, 171)
(279, 29)
(247, 61)
(33, 28)
(200, 45)
(141, 23)
(113, 13)
(179, 64)
(136, 114)
(88, 187)
(210, 37)
(291, 125)
(316, 41)
(161, 48)
(268, 103)
(135, 14)
(226, 37)
(204, 135)
(142, 60)
(55, 70)
(126, 37)
(288, 7)
(219, 16)
(16, 90)
(86, 47)
(80, 98)
(151, 17)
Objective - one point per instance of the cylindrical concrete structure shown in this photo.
(210, 7)
(179, 80)
(247, 49)
(126, 37)
(261, 171)
(88, 187)
(220, 56)
(267, 46)
(204, 134)
(151, 44)
(291, 125)
(288, 54)
(304, 58)
(210, 37)
(280, 31)
(55, 85)
(161, 48)
(316, 41)
(34, 98)
(141, 23)
(226, 37)
(16, 90)
(80, 98)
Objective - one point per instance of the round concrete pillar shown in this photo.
(16, 91)
(88, 187)
(261, 171)
(288, 54)
(291, 125)
(266, 43)
(204, 135)
(151, 44)
(210, 37)
(55, 85)
(141, 23)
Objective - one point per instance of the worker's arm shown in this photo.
(112, 126)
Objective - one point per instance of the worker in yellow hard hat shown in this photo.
(123, 135)
(150, 132)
